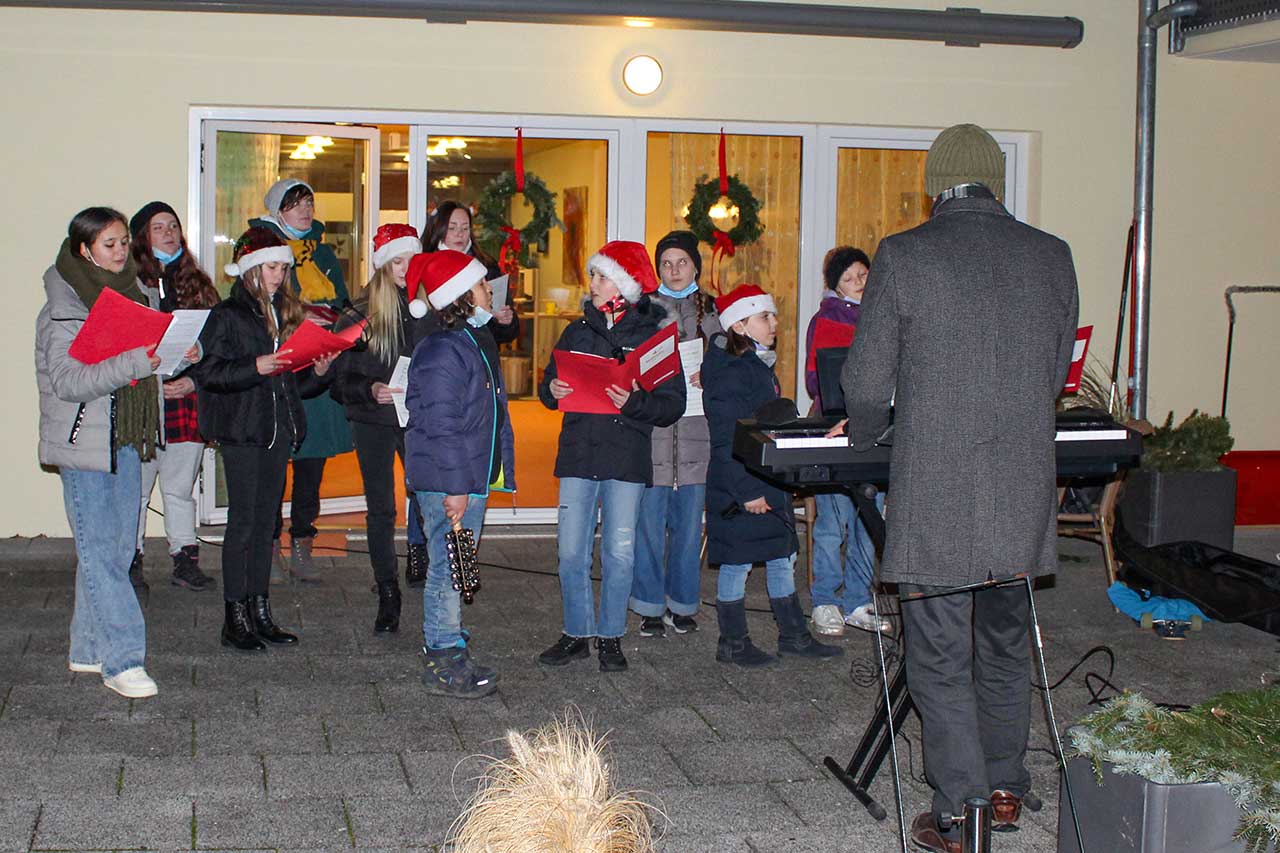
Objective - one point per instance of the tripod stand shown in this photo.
(895, 702)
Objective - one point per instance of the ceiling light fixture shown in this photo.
(642, 75)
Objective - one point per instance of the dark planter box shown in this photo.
(1128, 814)
(1180, 506)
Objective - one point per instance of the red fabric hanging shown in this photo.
(724, 171)
(519, 161)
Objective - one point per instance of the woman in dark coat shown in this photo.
(748, 520)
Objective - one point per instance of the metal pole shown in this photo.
(975, 831)
(1143, 167)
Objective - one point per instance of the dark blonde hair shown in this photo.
(287, 305)
(382, 295)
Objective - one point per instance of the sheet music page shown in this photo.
(400, 379)
(691, 362)
(182, 334)
(500, 285)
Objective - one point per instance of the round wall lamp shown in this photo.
(642, 75)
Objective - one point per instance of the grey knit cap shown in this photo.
(963, 154)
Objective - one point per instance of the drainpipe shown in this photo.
(1149, 22)
(963, 27)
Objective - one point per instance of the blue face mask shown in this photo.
(293, 232)
(479, 317)
(679, 294)
(164, 259)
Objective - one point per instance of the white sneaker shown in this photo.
(133, 683)
(85, 667)
(826, 620)
(864, 620)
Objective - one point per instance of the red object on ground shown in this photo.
(1257, 485)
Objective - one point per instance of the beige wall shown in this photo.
(96, 111)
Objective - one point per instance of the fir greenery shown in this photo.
(494, 211)
(1196, 444)
(1232, 739)
(706, 192)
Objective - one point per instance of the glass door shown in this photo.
(240, 161)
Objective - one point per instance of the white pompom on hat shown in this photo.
(393, 240)
(255, 247)
(275, 195)
(742, 302)
(628, 266)
(445, 275)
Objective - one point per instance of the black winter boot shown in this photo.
(734, 646)
(451, 672)
(609, 653)
(388, 619)
(415, 566)
(139, 583)
(237, 629)
(264, 625)
(793, 635)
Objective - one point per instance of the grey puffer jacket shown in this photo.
(682, 450)
(77, 400)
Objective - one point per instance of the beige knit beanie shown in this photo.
(962, 154)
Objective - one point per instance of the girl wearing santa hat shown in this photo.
(748, 519)
(459, 447)
(361, 384)
(605, 459)
(250, 403)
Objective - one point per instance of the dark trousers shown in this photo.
(305, 501)
(255, 484)
(968, 666)
(377, 446)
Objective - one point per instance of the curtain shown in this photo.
(248, 164)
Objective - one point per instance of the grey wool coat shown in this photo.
(970, 318)
(681, 451)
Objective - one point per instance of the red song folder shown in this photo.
(828, 334)
(1083, 334)
(650, 364)
(117, 324)
(310, 342)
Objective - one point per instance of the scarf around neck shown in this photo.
(137, 404)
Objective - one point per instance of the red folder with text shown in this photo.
(1076, 371)
(649, 365)
(310, 342)
(117, 324)
(828, 334)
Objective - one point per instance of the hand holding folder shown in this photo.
(649, 365)
(310, 342)
(117, 324)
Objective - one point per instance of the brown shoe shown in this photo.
(1006, 808)
(926, 836)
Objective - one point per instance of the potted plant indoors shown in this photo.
(1147, 779)
(1181, 492)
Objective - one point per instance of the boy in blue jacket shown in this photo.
(458, 446)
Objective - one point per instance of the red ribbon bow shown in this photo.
(509, 254)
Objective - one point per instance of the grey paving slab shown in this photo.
(186, 702)
(295, 776)
(351, 733)
(83, 699)
(113, 823)
(250, 735)
(719, 809)
(447, 775)
(298, 823)
(216, 776)
(17, 822)
(735, 761)
(135, 736)
(713, 843)
(397, 821)
(755, 720)
(287, 701)
(24, 739)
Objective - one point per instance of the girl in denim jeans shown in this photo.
(606, 460)
(748, 520)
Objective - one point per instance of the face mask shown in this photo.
(679, 294)
(479, 317)
(164, 259)
(466, 250)
(291, 231)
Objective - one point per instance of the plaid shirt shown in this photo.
(180, 420)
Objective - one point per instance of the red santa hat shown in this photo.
(445, 274)
(255, 247)
(627, 265)
(393, 240)
(741, 302)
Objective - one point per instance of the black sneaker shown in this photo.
(680, 624)
(653, 626)
(451, 672)
(186, 572)
(565, 649)
(609, 651)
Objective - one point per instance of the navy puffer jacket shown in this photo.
(735, 387)
(453, 399)
(613, 447)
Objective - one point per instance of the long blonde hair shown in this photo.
(386, 335)
(289, 308)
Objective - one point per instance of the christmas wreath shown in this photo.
(706, 192)
(495, 234)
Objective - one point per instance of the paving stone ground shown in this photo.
(334, 746)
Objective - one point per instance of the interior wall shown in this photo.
(97, 107)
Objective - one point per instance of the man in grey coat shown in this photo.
(966, 333)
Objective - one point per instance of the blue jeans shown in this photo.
(441, 603)
(779, 579)
(668, 551)
(838, 523)
(619, 508)
(106, 624)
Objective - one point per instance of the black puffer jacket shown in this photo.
(237, 405)
(355, 372)
(613, 447)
